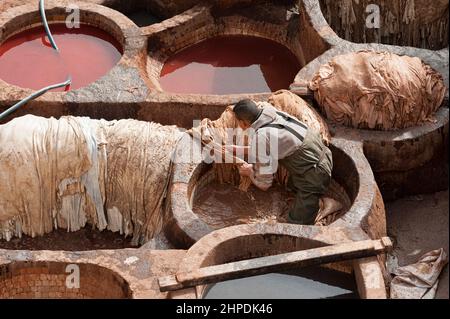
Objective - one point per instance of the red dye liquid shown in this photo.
(230, 65)
(86, 53)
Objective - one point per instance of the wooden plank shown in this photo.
(277, 263)
(170, 281)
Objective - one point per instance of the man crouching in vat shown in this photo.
(278, 137)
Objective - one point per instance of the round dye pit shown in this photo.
(353, 186)
(42, 280)
(224, 205)
(87, 53)
(230, 65)
(60, 240)
(306, 283)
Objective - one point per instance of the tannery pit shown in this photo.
(117, 118)
(230, 65)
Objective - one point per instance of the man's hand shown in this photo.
(246, 170)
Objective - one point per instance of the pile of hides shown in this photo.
(378, 90)
(416, 23)
(420, 280)
(74, 171)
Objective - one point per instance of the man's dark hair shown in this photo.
(247, 110)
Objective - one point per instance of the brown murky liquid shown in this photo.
(82, 240)
(224, 205)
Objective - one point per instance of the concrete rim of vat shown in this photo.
(127, 34)
(258, 240)
(203, 22)
(367, 211)
(398, 158)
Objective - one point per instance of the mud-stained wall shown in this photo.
(416, 23)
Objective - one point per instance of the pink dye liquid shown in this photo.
(230, 65)
(86, 53)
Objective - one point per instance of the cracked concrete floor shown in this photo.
(419, 224)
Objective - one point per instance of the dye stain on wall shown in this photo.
(87, 53)
(230, 65)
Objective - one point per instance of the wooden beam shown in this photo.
(276, 263)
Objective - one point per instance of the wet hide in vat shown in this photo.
(216, 133)
(73, 172)
(420, 280)
(381, 91)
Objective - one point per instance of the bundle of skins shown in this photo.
(378, 90)
(74, 172)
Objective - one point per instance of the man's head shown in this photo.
(247, 113)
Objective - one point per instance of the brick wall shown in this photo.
(48, 280)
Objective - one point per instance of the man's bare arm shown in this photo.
(248, 171)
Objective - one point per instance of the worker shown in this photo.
(276, 137)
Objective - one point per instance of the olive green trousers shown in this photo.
(310, 169)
